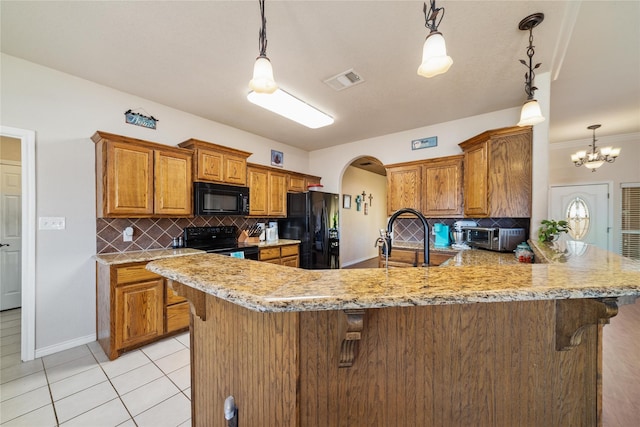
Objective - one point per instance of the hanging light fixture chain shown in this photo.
(430, 21)
(530, 75)
(262, 35)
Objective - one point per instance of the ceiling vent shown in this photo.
(344, 80)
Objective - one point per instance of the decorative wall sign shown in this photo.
(418, 144)
(140, 120)
(277, 158)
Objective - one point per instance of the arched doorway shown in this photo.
(364, 209)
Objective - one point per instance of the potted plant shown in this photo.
(551, 229)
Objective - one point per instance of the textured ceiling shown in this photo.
(197, 56)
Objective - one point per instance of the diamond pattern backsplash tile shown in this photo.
(155, 233)
(410, 229)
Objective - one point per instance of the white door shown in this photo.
(586, 207)
(10, 237)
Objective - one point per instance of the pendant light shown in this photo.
(262, 81)
(595, 158)
(434, 51)
(531, 113)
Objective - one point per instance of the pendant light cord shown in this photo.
(262, 35)
(430, 21)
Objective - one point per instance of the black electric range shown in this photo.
(221, 240)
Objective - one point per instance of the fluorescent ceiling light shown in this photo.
(287, 105)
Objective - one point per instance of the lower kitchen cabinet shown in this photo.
(135, 307)
(288, 255)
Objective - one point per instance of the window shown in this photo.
(578, 218)
(630, 223)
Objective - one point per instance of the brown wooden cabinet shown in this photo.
(404, 184)
(288, 255)
(216, 163)
(135, 307)
(136, 178)
(497, 173)
(268, 191)
(299, 183)
(432, 186)
(442, 187)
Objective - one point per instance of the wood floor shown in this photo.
(620, 366)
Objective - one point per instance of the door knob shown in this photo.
(4, 244)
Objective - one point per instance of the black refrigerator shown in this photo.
(312, 218)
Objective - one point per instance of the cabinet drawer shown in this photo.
(289, 250)
(172, 297)
(269, 253)
(134, 273)
(177, 317)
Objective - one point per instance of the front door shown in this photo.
(586, 208)
(10, 237)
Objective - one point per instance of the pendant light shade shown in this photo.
(434, 51)
(530, 114)
(262, 81)
(434, 56)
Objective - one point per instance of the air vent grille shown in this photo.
(344, 80)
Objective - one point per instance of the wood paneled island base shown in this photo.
(484, 364)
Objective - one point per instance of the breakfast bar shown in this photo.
(465, 343)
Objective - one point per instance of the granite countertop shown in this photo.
(141, 256)
(592, 273)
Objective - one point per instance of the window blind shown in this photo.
(630, 221)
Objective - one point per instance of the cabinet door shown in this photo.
(173, 194)
(210, 166)
(235, 170)
(129, 180)
(277, 194)
(290, 261)
(475, 181)
(296, 183)
(403, 188)
(510, 177)
(139, 312)
(258, 187)
(442, 187)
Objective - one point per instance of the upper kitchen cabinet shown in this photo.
(404, 183)
(299, 183)
(442, 187)
(215, 163)
(497, 173)
(136, 178)
(432, 186)
(267, 191)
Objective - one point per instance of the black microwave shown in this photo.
(220, 199)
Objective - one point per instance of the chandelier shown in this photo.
(595, 158)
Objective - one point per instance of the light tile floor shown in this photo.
(81, 387)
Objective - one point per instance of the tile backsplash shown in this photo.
(410, 229)
(156, 233)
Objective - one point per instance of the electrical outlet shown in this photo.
(51, 223)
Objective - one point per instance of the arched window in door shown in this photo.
(579, 218)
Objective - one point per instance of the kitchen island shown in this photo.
(481, 344)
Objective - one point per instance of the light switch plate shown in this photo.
(51, 223)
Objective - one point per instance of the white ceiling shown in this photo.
(197, 56)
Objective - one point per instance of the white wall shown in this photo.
(626, 168)
(358, 231)
(65, 111)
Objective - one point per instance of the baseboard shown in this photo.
(45, 351)
(356, 261)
